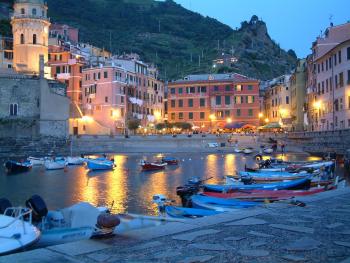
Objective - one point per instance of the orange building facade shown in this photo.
(211, 102)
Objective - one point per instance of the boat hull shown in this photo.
(13, 167)
(55, 165)
(152, 167)
(184, 212)
(95, 165)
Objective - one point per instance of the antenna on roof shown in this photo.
(331, 19)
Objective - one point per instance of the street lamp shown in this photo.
(266, 120)
(229, 120)
(261, 115)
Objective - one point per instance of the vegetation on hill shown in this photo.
(177, 40)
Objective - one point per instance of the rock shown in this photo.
(254, 253)
(247, 222)
(293, 258)
(234, 238)
(342, 243)
(334, 225)
(300, 229)
(303, 244)
(193, 235)
(197, 259)
(259, 234)
(209, 246)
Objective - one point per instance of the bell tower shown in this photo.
(30, 28)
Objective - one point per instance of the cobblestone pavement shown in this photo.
(318, 232)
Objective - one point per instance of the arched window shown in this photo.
(22, 39)
(13, 109)
(34, 39)
(23, 11)
(34, 11)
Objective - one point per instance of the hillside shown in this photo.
(171, 36)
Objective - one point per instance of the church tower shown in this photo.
(30, 28)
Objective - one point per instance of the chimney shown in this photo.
(41, 66)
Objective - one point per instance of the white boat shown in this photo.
(78, 222)
(247, 150)
(238, 150)
(75, 160)
(36, 161)
(268, 150)
(55, 164)
(15, 233)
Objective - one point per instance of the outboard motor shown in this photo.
(4, 204)
(185, 192)
(246, 179)
(37, 204)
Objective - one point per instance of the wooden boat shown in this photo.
(261, 195)
(170, 161)
(146, 166)
(36, 161)
(16, 233)
(219, 204)
(75, 160)
(55, 164)
(13, 167)
(184, 212)
(100, 164)
(295, 184)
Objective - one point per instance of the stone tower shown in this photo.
(30, 28)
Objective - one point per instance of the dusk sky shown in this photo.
(294, 24)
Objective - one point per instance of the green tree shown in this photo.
(133, 124)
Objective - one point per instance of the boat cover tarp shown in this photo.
(81, 214)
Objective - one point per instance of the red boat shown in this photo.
(261, 195)
(146, 166)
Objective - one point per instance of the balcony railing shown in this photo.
(30, 17)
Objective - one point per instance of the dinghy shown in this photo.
(16, 232)
(36, 161)
(219, 204)
(146, 166)
(55, 164)
(100, 164)
(13, 167)
(295, 184)
(75, 160)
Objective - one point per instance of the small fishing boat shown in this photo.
(100, 164)
(301, 183)
(13, 167)
(219, 204)
(268, 150)
(184, 212)
(146, 166)
(247, 150)
(55, 164)
(16, 229)
(170, 161)
(75, 160)
(262, 195)
(36, 161)
(238, 150)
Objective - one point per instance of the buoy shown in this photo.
(189, 159)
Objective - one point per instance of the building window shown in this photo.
(339, 56)
(318, 68)
(238, 99)
(34, 11)
(202, 102)
(348, 77)
(238, 112)
(348, 53)
(13, 109)
(190, 103)
(287, 99)
(216, 88)
(22, 39)
(250, 112)
(218, 100)
(322, 67)
(238, 87)
(190, 115)
(105, 74)
(335, 59)
(172, 103)
(250, 99)
(23, 11)
(202, 115)
(192, 90)
(227, 100)
(250, 87)
(58, 69)
(99, 75)
(172, 90)
(336, 81)
(181, 116)
(180, 90)
(172, 116)
(203, 89)
(220, 114)
(106, 99)
(181, 103)
(34, 39)
(227, 113)
(227, 88)
(341, 79)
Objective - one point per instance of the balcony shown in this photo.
(27, 16)
(63, 76)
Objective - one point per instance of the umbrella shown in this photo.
(248, 126)
(272, 125)
(234, 125)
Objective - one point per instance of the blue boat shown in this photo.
(272, 174)
(99, 164)
(219, 204)
(184, 212)
(170, 161)
(14, 167)
(295, 184)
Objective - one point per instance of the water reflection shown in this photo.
(130, 189)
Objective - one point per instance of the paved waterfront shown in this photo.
(280, 232)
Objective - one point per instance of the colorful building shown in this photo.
(277, 102)
(329, 80)
(211, 102)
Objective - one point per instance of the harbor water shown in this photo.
(127, 187)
